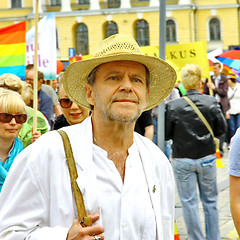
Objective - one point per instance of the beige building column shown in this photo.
(94, 5)
(184, 2)
(39, 6)
(154, 3)
(125, 4)
(66, 6)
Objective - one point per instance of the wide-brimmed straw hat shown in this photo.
(116, 48)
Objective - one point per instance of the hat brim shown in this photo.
(162, 77)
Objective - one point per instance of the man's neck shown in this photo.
(115, 138)
(112, 135)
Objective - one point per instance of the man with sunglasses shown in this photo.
(126, 181)
(12, 116)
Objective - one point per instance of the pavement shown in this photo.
(227, 228)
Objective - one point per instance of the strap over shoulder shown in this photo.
(198, 112)
(82, 215)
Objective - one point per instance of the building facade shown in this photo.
(82, 24)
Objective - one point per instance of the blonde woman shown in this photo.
(13, 114)
(13, 82)
(193, 153)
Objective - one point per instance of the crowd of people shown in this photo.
(126, 182)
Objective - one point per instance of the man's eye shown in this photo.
(113, 78)
(137, 80)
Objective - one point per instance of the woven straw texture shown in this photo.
(116, 48)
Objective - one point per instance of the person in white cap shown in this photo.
(126, 181)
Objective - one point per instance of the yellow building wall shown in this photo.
(23, 12)
(202, 21)
(3, 5)
(153, 20)
(184, 23)
(215, 2)
(229, 25)
(28, 3)
(126, 24)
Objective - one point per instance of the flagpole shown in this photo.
(35, 83)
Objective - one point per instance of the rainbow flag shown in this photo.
(13, 49)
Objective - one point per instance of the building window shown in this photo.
(83, 2)
(214, 29)
(16, 3)
(55, 2)
(111, 28)
(142, 33)
(81, 39)
(113, 3)
(171, 31)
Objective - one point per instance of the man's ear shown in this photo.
(89, 94)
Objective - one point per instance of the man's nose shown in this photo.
(126, 84)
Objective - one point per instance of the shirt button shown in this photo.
(124, 225)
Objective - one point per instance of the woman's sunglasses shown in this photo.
(7, 117)
(65, 102)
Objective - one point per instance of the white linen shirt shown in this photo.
(234, 97)
(129, 204)
(216, 82)
(36, 202)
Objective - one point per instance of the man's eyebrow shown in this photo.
(138, 75)
(120, 72)
(112, 72)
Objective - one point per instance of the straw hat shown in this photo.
(116, 48)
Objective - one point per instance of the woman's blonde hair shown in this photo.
(27, 93)
(191, 76)
(10, 81)
(13, 82)
(11, 102)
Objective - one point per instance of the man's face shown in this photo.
(120, 91)
(29, 78)
(55, 84)
(216, 70)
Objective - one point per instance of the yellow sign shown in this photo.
(179, 55)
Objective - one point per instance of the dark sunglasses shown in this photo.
(65, 102)
(7, 117)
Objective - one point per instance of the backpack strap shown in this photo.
(82, 215)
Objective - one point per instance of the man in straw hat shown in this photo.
(126, 181)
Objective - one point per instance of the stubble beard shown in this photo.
(124, 118)
(120, 115)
